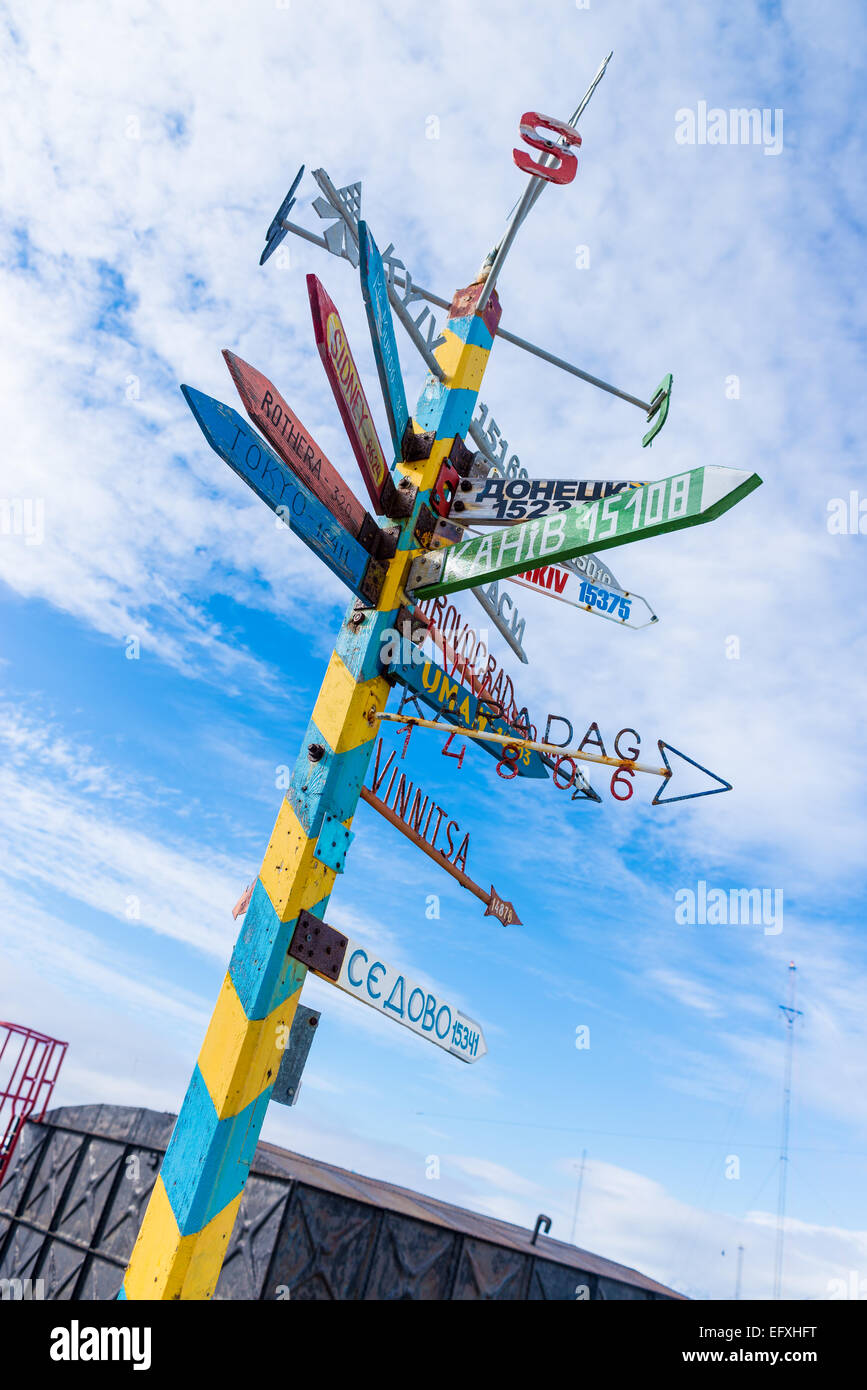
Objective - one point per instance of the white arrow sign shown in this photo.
(618, 605)
(393, 994)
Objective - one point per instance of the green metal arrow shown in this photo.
(687, 499)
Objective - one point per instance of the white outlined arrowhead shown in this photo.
(660, 800)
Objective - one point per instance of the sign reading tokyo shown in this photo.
(393, 994)
(249, 456)
(687, 499)
(500, 501)
(348, 391)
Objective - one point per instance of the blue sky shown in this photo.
(148, 147)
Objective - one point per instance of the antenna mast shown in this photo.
(791, 1014)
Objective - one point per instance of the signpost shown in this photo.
(195, 1200)
(687, 499)
(349, 394)
(618, 605)
(502, 501)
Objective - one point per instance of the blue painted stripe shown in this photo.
(332, 785)
(360, 650)
(447, 411)
(261, 971)
(471, 330)
(207, 1160)
(247, 454)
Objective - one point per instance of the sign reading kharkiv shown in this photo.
(687, 499)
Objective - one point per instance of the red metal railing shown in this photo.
(29, 1063)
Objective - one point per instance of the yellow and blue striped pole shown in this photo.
(186, 1228)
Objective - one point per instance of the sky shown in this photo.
(146, 149)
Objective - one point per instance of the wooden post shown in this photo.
(186, 1228)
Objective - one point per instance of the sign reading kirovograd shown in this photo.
(687, 499)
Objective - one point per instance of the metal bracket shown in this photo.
(425, 569)
(658, 412)
(317, 945)
(460, 457)
(416, 445)
(385, 547)
(425, 524)
(333, 842)
(372, 581)
(443, 490)
(293, 1061)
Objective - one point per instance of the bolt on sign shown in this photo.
(687, 499)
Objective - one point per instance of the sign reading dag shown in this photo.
(249, 456)
(687, 499)
(399, 998)
(374, 290)
(348, 391)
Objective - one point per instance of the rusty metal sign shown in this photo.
(502, 501)
(686, 499)
(407, 815)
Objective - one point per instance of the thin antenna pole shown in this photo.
(791, 1014)
(530, 195)
(578, 1195)
(739, 1273)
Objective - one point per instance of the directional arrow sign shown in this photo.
(349, 394)
(501, 501)
(299, 450)
(374, 290)
(250, 457)
(687, 499)
(630, 610)
(385, 988)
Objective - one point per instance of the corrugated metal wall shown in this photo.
(72, 1204)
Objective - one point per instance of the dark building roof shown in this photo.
(71, 1206)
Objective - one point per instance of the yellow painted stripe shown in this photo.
(166, 1265)
(343, 705)
(463, 363)
(240, 1057)
(291, 876)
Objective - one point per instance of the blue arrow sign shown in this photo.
(249, 456)
(374, 289)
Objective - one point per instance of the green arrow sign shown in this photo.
(688, 499)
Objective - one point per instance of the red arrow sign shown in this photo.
(297, 448)
(348, 391)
